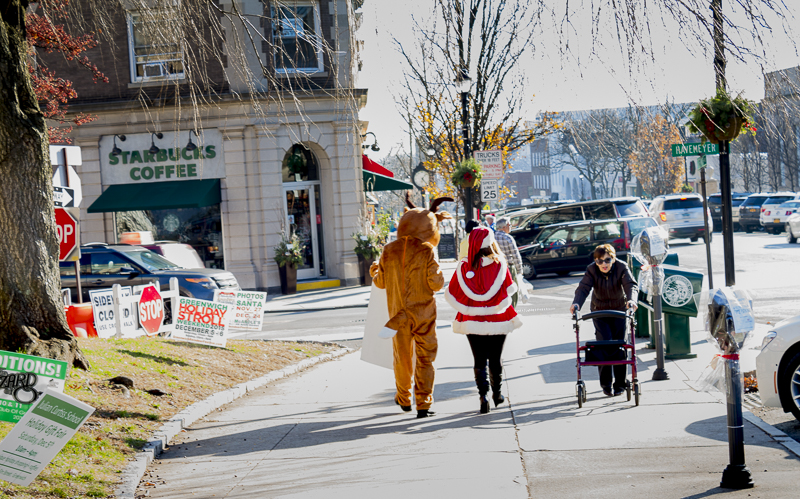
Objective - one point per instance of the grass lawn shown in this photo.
(90, 464)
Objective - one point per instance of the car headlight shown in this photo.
(768, 339)
(203, 281)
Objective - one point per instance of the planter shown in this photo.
(363, 267)
(468, 185)
(727, 134)
(288, 275)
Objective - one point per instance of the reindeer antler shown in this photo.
(436, 202)
(408, 201)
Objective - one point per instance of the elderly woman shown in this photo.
(613, 288)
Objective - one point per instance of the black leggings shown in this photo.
(611, 328)
(487, 348)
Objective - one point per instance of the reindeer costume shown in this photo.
(410, 275)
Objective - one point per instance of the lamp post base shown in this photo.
(660, 374)
(736, 476)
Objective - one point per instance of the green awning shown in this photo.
(375, 182)
(158, 196)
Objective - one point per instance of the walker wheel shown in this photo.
(636, 394)
(581, 394)
(628, 389)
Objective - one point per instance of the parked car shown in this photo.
(682, 216)
(180, 254)
(103, 265)
(750, 212)
(567, 247)
(769, 219)
(778, 367)
(715, 205)
(793, 227)
(600, 209)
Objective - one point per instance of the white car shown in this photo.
(682, 216)
(770, 210)
(793, 227)
(778, 367)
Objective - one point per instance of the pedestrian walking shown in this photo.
(509, 248)
(613, 288)
(490, 218)
(481, 293)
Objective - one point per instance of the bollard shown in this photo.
(660, 373)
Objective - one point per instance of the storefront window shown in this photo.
(200, 228)
(299, 165)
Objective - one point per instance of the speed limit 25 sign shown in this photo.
(489, 190)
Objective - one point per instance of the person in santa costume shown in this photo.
(480, 291)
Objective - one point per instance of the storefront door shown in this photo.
(301, 205)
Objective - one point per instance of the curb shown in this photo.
(321, 309)
(774, 433)
(133, 473)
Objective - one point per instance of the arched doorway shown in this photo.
(302, 206)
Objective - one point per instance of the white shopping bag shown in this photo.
(376, 350)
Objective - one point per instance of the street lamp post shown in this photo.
(580, 178)
(464, 83)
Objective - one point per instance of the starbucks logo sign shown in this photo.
(677, 291)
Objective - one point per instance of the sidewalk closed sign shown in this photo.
(40, 435)
(201, 321)
(23, 378)
(105, 323)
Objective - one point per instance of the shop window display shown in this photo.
(200, 228)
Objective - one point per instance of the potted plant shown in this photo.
(721, 118)
(467, 174)
(368, 248)
(288, 256)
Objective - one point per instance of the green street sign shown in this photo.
(694, 149)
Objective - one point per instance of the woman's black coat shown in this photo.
(612, 291)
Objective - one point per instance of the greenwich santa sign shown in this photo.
(135, 160)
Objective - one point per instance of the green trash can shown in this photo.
(680, 295)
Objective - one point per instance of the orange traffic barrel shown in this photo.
(81, 319)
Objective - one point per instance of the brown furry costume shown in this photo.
(410, 275)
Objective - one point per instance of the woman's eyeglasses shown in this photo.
(606, 260)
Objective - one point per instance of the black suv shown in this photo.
(104, 265)
(715, 205)
(568, 247)
(750, 212)
(600, 209)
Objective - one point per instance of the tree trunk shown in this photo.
(31, 313)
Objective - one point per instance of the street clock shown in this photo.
(421, 177)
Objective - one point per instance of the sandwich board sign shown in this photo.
(40, 435)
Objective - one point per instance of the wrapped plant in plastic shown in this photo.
(650, 248)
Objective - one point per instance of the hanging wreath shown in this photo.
(296, 162)
(467, 173)
(721, 118)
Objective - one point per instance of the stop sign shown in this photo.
(151, 310)
(67, 232)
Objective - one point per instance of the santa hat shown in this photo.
(479, 238)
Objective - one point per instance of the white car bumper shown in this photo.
(767, 374)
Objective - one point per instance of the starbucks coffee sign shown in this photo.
(135, 163)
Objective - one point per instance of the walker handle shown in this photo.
(600, 314)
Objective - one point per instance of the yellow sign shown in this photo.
(486, 208)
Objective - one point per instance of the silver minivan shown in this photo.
(682, 216)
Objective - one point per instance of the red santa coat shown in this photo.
(482, 298)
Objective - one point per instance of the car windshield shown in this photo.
(778, 199)
(754, 201)
(791, 204)
(150, 261)
(631, 208)
(682, 203)
(639, 224)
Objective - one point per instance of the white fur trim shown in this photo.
(476, 311)
(487, 328)
(501, 277)
(512, 289)
(387, 333)
(470, 274)
(488, 240)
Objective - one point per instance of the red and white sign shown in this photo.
(68, 233)
(491, 162)
(151, 310)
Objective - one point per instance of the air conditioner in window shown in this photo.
(155, 69)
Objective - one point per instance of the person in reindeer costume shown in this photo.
(481, 291)
(410, 275)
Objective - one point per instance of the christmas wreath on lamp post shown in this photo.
(467, 174)
(721, 118)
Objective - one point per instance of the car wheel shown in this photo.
(563, 273)
(528, 271)
(789, 385)
(748, 229)
(693, 239)
(790, 237)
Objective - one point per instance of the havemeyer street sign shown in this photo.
(694, 149)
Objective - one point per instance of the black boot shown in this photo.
(497, 383)
(483, 388)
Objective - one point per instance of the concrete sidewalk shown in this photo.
(335, 432)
